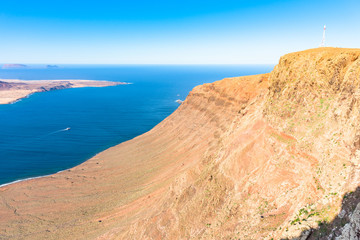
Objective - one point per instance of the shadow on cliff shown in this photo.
(330, 230)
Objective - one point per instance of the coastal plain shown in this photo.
(12, 90)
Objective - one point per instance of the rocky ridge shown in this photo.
(284, 163)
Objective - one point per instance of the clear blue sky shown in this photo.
(171, 32)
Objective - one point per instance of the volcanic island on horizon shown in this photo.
(12, 90)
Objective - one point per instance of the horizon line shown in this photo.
(140, 63)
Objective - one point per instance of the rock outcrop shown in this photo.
(270, 156)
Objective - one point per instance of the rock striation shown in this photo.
(271, 156)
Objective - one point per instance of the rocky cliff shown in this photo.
(270, 156)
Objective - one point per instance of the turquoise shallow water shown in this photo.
(32, 142)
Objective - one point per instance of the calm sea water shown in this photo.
(32, 140)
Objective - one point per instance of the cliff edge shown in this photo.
(270, 156)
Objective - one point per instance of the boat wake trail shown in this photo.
(58, 131)
(31, 140)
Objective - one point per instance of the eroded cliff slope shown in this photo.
(258, 157)
(283, 164)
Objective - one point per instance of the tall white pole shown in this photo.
(323, 39)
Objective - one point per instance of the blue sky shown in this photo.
(171, 32)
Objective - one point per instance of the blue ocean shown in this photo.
(33, 136)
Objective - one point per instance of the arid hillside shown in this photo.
(270, 156)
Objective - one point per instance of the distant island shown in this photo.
(22, 66)
(13, 90)
(10, 66)
(52, 66)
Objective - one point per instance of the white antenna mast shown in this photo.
(323, 39)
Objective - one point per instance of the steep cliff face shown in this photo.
(314, 96)
(283, 164)
(259, 157)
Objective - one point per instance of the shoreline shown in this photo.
(29, 178)
(19, 99)
(64, 170)
(13, 90)
(79, 83)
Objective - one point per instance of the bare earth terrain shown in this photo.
(13, 90)
(272, 156)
